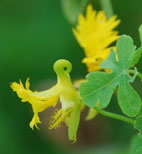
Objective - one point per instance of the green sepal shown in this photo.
(74, 122)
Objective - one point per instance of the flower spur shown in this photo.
(64, 90)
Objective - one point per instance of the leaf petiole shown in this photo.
(115, 116)
(138, 73)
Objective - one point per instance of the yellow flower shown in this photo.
(38, 103)
(63, 90)
(95, 34)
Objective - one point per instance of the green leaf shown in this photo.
(138, 124)
(140, 33)
(100, 86)
(72, 8)
(136, 57)
(136, 145)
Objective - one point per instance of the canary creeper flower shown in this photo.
(64, 90)
(95, 34)
(38, 103)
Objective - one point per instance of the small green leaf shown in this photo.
(138, 124)
(101, 85)
(140, 33)
(128, 99)
(136, 145)
(136, 57)
(72, 8)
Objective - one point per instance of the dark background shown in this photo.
(33, 35)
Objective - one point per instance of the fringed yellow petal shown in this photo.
(42, 100)
(27, 84)
(48, 93)
(21, 91)
(113, 23)
(15, 86)
(35, 121)
(95, 33)
(21, 84)
(39, 103)
(92, 63)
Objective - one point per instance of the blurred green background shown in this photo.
(33, 35)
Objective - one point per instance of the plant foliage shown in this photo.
(100, 86)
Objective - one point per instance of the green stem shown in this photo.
(115, 116)
(107, 7)
(140, 33)
(138, 74)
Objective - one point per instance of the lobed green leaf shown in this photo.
(100, 86)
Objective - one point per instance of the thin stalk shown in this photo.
(107, 7)
(115, 116)
(140, 33)
(138, 73)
